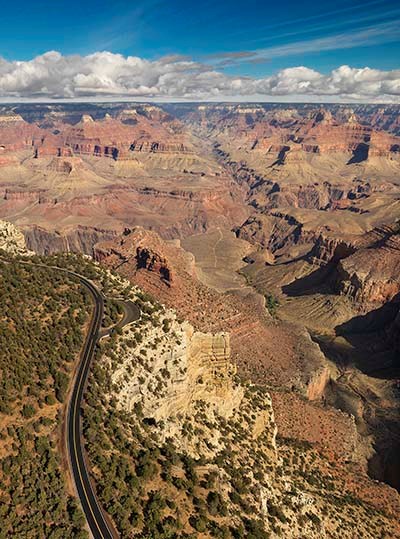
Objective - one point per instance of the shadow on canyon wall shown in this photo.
(374, 396)
(319, 281)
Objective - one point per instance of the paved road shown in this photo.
(98, 525)
(131, 313)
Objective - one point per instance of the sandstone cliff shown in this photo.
(195, 366)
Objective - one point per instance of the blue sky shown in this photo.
(245, 38)
(151, 29)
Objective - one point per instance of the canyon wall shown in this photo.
(79, 239)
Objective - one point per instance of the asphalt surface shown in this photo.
(98, 525)
(131, 313)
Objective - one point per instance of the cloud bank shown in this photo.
(104, 75)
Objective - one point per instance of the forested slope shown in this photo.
(42, 317)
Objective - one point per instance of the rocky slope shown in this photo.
(167, 271)
(202, 437)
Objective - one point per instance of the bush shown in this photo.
(199, 523)
(50, 400)
(28, 411)
(215, 504)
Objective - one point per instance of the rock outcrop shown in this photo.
(145, 250)
(331, 249)
(11, 239)
(195, 366)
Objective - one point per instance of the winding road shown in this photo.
(98, 523)
(99, 527)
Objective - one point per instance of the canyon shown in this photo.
(141, 167)
(269, 233)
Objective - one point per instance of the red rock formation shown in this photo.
(146, 259)
(322, 134)
(144, 250)
(16, 134)
(113, 138)
(103, 138)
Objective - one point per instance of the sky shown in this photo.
(180, 50)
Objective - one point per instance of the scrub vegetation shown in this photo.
(43, 313)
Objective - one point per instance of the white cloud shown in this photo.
(104, 75)
(378, 34)
(387, 32)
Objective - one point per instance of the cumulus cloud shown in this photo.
(104, 75)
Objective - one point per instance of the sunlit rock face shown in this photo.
(11, 239)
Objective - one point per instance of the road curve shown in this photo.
(95, 518)
(98, 525)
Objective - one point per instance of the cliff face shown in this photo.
(366, 267)
(195, 366)
(355, 279)
(112, 138)
(328, 249)
(371, 274)
(79, 239)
